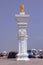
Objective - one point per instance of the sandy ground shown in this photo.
(14, 62)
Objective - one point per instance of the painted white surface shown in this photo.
(22, 36)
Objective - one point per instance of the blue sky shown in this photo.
(8, 25)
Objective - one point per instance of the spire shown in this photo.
(22, 8)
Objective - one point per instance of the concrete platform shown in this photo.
(14, 62)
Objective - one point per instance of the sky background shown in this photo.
(8, 24)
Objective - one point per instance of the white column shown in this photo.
(22, 36)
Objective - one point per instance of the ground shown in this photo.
(14, 62)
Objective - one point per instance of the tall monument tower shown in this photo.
(22, 19)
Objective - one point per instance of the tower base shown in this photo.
(23, 57)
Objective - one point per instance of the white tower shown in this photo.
(22, 34)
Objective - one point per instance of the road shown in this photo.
(14, 62)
